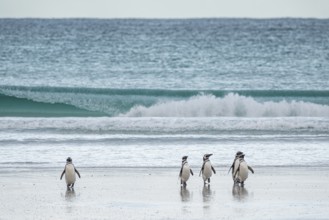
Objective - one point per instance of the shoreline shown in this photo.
(155, 193)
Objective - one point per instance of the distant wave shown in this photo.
(64, 101)
(163, 92)
(22, 107)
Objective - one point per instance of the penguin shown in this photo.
(70, 171)
(240, 169)
(237, 155)
(207, 169)
(185, 171)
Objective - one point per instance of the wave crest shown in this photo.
(58, 102)
(231, 105)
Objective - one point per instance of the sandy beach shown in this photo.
(139, 94)
(155, 193)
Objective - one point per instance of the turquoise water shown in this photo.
(134, 92)
(63, 101)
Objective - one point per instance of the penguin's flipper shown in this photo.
(180, 173)
(237, 170)
(230, 169)
(191, 172)
(77, 172)
(62, 174)
(232, 166)
(201, 171)
(251, 169)
(213, 169)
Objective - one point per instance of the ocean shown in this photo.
(145, 92)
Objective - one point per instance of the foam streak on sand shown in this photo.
(145, 193)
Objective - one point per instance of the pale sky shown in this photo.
(163, 8)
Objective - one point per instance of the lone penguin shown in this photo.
(240, 169)
(207, 169)
(69, 171)
(185, 171)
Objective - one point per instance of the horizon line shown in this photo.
(166, 18)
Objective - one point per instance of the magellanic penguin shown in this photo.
(237, 155)
(69, 171)
(185, 171)
(207, 169)
(240, 169)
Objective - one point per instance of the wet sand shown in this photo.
(155, 193)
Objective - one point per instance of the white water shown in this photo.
(161, 142)
(159, 125)
(202, 105)
(232, 105)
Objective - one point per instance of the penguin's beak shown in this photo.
(208, 155)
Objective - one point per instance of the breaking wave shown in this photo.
(82, 102)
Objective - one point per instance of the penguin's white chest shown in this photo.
(185, 172)
(243, 171)
(69, 174)
(207, 172)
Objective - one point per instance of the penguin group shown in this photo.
(239, 170)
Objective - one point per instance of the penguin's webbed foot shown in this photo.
(237, 180)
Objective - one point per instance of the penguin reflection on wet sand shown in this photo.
(70, 194)
(239, 192)
(69, 171)
(185, 171)
(207, 169)
(185, 194)
(207, 193)
(240, 169)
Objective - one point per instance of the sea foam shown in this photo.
(232, 105)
